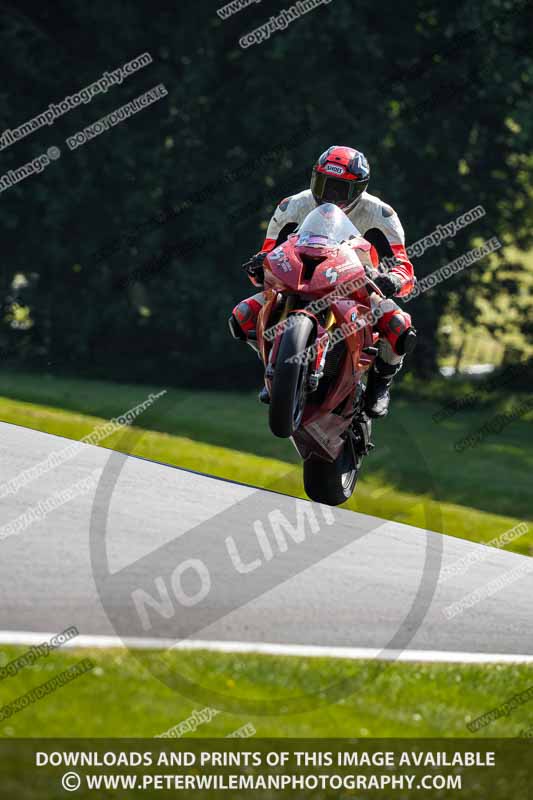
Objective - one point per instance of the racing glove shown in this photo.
(389, 283)
(254, 267)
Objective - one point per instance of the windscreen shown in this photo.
(326, 224)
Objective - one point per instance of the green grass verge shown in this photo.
(121, 697)
(476, 495)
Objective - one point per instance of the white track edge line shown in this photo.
(28, 638)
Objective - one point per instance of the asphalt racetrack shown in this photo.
(148, 550)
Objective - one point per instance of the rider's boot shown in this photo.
(377, 395)
(248, 336)
(264, 396)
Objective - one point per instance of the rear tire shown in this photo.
(289, 389)
(332, 482)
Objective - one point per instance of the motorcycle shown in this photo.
(315, 336)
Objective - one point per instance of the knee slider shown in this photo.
(235, 329)
(406, 342)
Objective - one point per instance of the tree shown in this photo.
(130, 244)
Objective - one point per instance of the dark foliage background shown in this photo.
(122, 258)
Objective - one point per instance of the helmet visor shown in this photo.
(333, 190)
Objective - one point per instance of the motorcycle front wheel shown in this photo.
(289, 384)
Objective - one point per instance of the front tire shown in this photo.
(289, 384)
(332, 482)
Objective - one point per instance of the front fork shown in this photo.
(322, 344)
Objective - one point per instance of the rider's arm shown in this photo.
(391, 227)
(285, 220)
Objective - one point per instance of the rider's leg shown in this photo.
(380, 377)
(243, 320)
(242, 325)
(397, 338)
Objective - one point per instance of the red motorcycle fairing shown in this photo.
(342, 276)
(350, 317)
(286, 270)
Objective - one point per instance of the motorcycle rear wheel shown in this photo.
(332, 482)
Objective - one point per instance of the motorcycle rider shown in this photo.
(341, 176)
